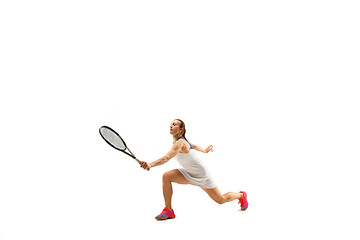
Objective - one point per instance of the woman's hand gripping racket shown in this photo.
(113, 139)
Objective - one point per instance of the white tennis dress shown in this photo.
(194, 170)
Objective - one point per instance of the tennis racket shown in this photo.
(114, 139)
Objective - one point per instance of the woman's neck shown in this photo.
(176, 137)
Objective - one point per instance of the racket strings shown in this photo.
(112, 138)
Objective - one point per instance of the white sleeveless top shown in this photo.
(194, 170)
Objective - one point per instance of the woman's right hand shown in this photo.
(144, 165)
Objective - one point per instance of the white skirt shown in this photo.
(194, 170)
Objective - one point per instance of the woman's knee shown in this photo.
(220, 200)
(215, 195)
(175, 176)
(167, 176)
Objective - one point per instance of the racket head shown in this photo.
(112, 138)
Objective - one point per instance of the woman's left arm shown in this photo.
(200, 149)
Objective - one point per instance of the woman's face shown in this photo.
(175, 127)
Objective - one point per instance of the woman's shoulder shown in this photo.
(181, 141)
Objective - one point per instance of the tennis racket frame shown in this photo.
(126, 147)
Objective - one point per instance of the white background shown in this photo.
(272, 85)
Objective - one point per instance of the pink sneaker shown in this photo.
(165, 214)
(243, 201)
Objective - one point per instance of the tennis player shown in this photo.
(193, 172)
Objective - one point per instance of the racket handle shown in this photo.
(139, 163)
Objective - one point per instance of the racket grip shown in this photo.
(139, 163)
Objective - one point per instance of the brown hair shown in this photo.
(182, 125)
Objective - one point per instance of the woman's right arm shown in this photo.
(172, 153)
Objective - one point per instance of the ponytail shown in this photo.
(182, 125)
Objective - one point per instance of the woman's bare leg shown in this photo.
(215, 194)
(168, 178)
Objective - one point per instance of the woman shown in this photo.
(193, 172)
